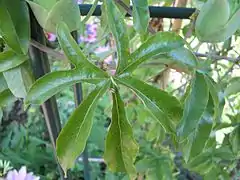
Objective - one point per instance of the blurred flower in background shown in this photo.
(21, 175)
(103, 51)
(79, 1)
(90, 35)
(51, 37)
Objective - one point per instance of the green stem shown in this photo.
(90, 13)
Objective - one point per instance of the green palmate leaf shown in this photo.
(179, 58)
(19, 80)
(160, 43)
(121, 148)
(62, 11)
(15, 25)
(194, 107)
(141, 15)
(73, 52)
(197, 140)
(184, 56)
(233, 87)
(119, 31)
(9, 59)
(6, 97)
(3, 83)
(164, 107)
(54, 82)
(217, 96)
(72, 139)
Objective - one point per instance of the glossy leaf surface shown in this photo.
(121, 148)
(72, 139)
(160, 43)
(233, 87)
(197, 140)
(214, 14)
(217, 96)
(73, 52)
(54, 82)
(119, 31)
(18, 80)
(164, 107)
(221, 20)
(180, 58)
(141, 15)
(9, 60)
(62, 11)
(195, 105)
(15, 25)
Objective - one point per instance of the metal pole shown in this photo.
(155, 11)
(40, 66)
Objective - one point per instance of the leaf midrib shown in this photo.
(149, 100)
(119, 126)
(89, 109)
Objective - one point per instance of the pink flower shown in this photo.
(90, 34)
(102, 49)
(90, 38)
(21, 175)
(51, 37)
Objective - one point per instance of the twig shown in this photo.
(47, 50)
(59, 55)
(228, 71)
(184, 84)
(216, 57)
(129, 11)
